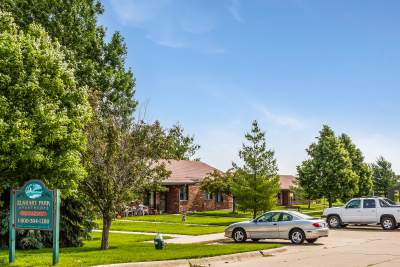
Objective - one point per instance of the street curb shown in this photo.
(202, 261)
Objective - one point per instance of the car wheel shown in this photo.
(312, 241)
(239, 235)
(388, 223)
(334, 222)
(297, 236)
(255, 239)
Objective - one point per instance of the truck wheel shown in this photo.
(239, 235)
(297, 236)
(334, 222)
(388, 223)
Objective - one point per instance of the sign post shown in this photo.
(56, 230)
(34, 207)
(11, 229)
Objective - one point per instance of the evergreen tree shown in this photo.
(256, 183)
(359, 167)
(383, 176)
(307, 181)
(331, 167)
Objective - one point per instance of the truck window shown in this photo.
(383, 204)
(354, 204)
(369, 204)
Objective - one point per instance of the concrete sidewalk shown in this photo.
(203, 261)
(143, 233)
(176, 239)
(196, 239)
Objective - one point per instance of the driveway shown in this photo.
(366, 246)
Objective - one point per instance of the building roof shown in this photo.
(287, 181)
(191, 172)
(186, 171)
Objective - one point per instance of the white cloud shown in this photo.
(234, 9)
(279, 119)
(174, 24)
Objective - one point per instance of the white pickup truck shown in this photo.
(373, 210)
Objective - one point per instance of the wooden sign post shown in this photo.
(34, 207)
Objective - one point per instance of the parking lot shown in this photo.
(353, 246)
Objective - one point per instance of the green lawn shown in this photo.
(315, 210)
(125, 248)
(190, 219)
(165, 228)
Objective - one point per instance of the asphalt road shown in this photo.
(354, 246)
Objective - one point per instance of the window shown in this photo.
(391, 202)
(184, 192)
(369, 204)
(354, 204)
(383, 203)
(219, 197)
(285, 217)
(207, 195)
(269, 217)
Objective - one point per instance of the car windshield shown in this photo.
(301, 215)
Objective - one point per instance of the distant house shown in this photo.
(285, 196)
(184, 192)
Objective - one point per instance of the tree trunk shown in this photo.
(106, 232)
(233, 205)
(254, 213)
(330, 202)
(309, 203)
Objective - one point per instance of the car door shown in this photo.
(266, 226)
(285, 224)
(352, 211)
(369, 212)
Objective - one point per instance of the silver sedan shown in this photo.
(291, 225)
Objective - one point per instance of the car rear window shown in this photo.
(301, 215)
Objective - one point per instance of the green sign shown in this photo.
(34, 207)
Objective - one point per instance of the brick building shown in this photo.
(183, 189)
(184, 193)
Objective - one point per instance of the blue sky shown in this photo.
(216, 65)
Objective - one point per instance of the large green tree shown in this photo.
(43, 112)
(122, 161)
(360, 168)
(99, 64)
(330, 165)
(256, 183)
(383, 176)
(306, 181)
(181, 146)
